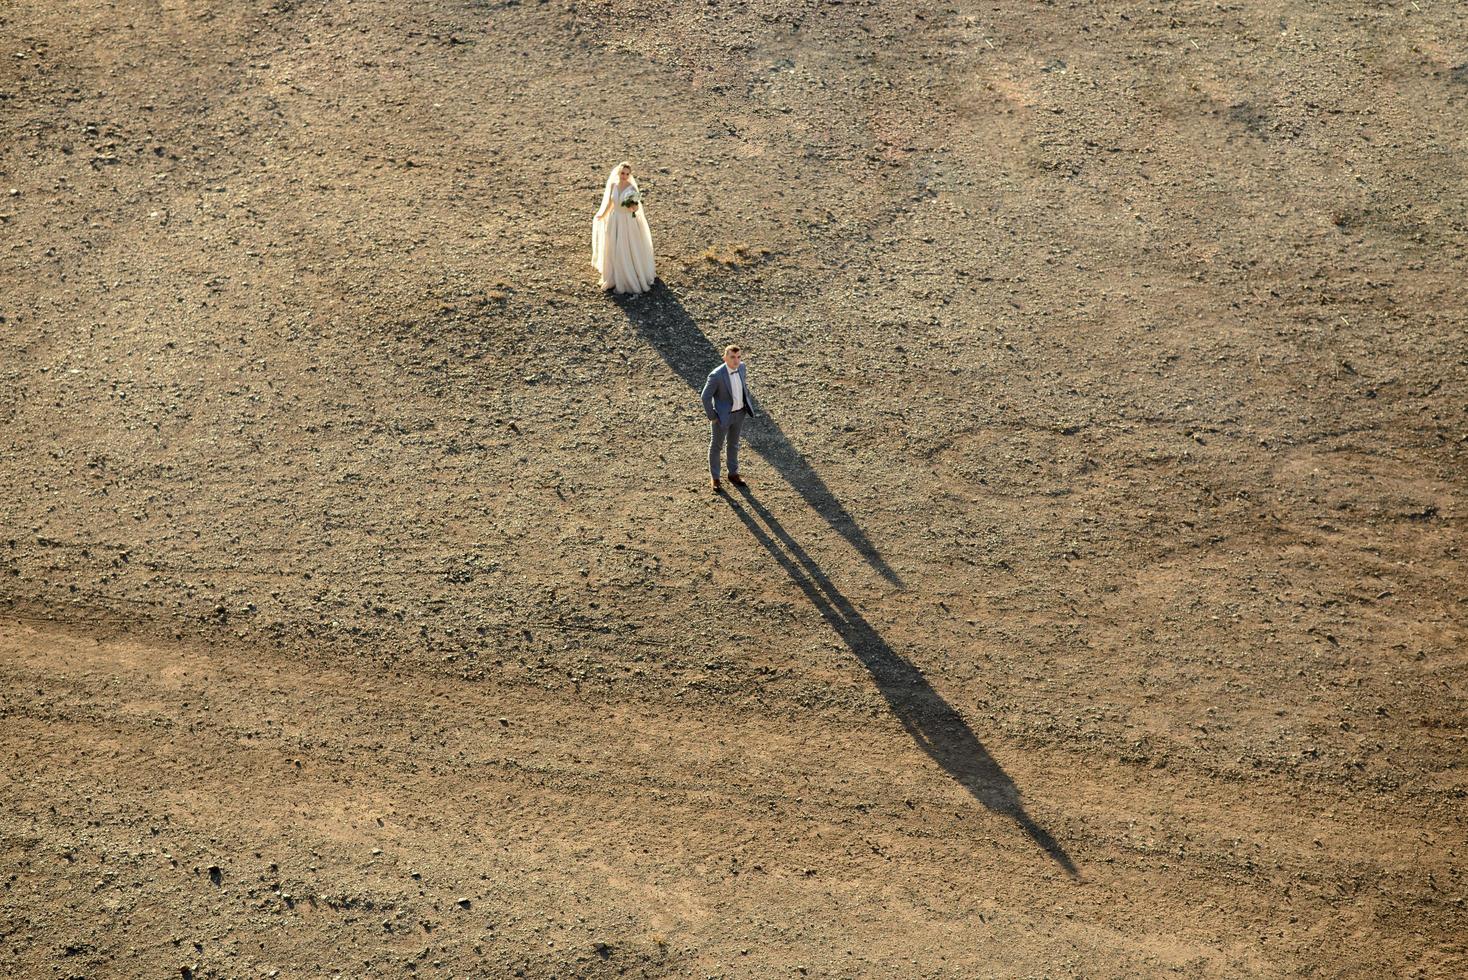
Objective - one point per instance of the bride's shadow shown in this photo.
(937, 728)
(662, 321)
(932, 722)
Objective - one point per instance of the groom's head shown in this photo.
(732, 356)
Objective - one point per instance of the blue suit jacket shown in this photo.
(718, 396)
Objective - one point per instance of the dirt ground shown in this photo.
(1096, 608)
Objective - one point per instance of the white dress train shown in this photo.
(621, 246)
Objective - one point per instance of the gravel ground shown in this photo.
(1096, 607)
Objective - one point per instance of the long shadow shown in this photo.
(932, 722)
(662, 321)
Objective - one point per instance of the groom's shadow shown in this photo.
(663, 322)
(932, 722)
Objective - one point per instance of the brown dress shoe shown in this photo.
(737, 480)
(716, 486)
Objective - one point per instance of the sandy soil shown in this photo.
(1096, 609)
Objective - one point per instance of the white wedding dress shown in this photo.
(621, 245)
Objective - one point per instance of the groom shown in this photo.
(727, 401)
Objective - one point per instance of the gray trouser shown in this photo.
(716, 442)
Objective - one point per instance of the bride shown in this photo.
(621, 241)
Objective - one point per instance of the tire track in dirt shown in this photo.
(236, 759)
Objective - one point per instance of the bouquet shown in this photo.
(632, 200)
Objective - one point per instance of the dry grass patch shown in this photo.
(735, 256)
